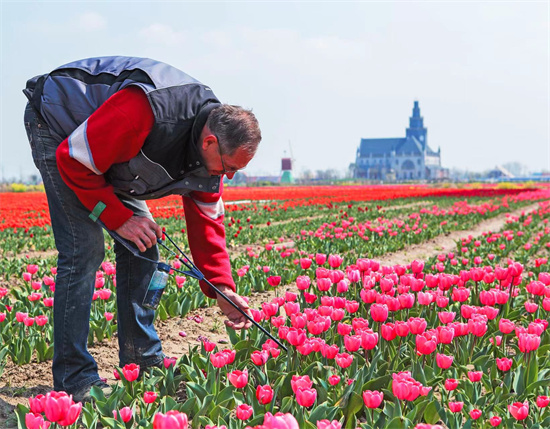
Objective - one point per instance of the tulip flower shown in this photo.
(475, 414)
(280, 421)
(149, 397)
(519, 410)
(495, 421)
(451, 384)
(334, 380)
(238, 378)
(130, 372)
(444, 361)
(171, 420)
(475, 376)
(379, 312)
(244, 412)
(343, 360)
(306, 396)
(125, 413)
(35, 421)
(264, 394)
(456, 407)
(543, 401)
(504, 364)
(36, 404)
(326, 424)
(372, 399)
(300, 381)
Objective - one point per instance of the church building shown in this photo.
(406, 158)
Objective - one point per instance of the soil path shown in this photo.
(446, 243)
(18, 383)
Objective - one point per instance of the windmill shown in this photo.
(286, 167)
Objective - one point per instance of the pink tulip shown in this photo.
(280, 421)
(244, 412)
(171, 420)
(519, 410)
(372, 399)
(306, 397)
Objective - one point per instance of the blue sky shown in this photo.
(321, 75)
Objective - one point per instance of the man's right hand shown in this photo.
(141, 231)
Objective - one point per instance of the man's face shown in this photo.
(218, 163)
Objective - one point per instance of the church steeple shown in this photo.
(416, 125)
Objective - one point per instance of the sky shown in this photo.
(318, 75)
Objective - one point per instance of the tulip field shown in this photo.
(458, 339)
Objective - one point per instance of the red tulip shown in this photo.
(171, 420)
(36, 404)
(495, 421)
(280, 421)
(451, 384)
(125, 413)
(320, 258)
(306, 396)
(542, 401)
(264, 394)
(417, 325)
(326, 424)
(369, 339)
(426, 343)
(519, 410)
(504, 364)
(456, 407)
(149, 397)
(475, 376)
(334, 380)
(274, 280)
(35, 421)
(372, 399)
(528, 342)
(475, 414)
(305, 263)
(244, 412)
(238, 378)
(303, 282)
(343, 360)
(506, 326)
(379, 312)
(130, 372)
(444, 361)
(335, 261)
(300, 381)
(352, 343)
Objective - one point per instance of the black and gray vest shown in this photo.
(169, 161)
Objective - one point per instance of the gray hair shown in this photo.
(235, 127)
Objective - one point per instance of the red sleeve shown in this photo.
(114, 133)
(206, 234)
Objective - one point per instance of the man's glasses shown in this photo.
(224, 171)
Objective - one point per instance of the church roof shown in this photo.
(379, 146)
(411, 145)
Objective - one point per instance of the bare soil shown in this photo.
(18, 383)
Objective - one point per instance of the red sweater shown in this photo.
(115, 133)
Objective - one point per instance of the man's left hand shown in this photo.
(235, 320)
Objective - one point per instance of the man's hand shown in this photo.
(235, 319)
(141, 231)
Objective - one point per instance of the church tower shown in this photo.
(416, 126)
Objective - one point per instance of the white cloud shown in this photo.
(91, 21)
(162, 34)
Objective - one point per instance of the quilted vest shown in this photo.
(169, 161)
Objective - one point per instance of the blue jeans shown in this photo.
(81, 247)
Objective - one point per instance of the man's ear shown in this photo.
(208, 140)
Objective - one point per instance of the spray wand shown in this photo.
(161, 275)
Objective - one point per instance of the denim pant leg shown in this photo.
(80, 244)
(138, 341)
